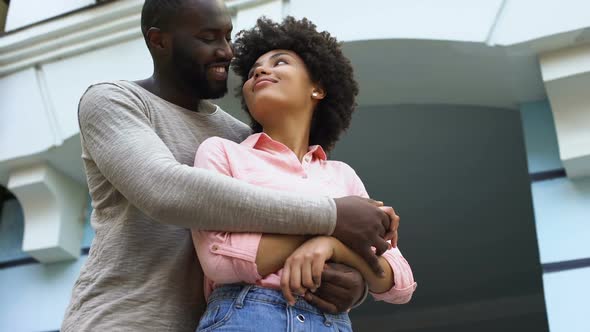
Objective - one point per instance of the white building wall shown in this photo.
(22, 112)
(24, 12)
(67, 79)
(566, 296)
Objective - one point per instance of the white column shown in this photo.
(53, 206)
(566, 74)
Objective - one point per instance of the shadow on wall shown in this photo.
(3, 12)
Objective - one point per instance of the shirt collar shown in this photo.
(261, 141)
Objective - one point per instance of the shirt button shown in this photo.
(214, 247)
(307, 158)
(304, 176)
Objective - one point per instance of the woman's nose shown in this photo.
(260, 70)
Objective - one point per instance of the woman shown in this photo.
(299, 91)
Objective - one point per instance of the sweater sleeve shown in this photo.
(118, 137)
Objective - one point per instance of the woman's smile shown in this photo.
(262, 82)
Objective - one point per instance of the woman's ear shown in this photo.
(318, 93)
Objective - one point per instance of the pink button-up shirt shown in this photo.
(260, 160)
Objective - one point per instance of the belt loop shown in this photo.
(242, 296)
(327, 320)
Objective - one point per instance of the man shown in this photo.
(139, 140)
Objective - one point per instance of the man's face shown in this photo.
(201, 47)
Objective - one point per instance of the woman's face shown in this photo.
(279, 83)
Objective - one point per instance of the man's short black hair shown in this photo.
(159, 14)
(327, 66)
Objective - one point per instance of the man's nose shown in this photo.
(225, 50)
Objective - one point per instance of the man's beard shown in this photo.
(194, 77)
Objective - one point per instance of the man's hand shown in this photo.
(360, 224)
(340, 289)
(393, 226)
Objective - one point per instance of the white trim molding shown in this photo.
(53, 206)
(566, 74)
(73, 34)
(79, 32)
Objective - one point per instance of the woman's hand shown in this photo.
(303, 269)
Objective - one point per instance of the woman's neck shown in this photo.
(294, 137)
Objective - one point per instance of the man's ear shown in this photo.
(318, 93)
(156, 40)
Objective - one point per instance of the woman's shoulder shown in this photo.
(215, 147)
(340, 166)
(217, 143)
(348, 177)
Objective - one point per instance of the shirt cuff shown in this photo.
(404, 284)
(241, 249)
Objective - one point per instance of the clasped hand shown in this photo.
(302, 272)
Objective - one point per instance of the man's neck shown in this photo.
(171, 91)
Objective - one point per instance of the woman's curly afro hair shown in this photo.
(326, 64)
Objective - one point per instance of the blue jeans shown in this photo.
(244, 308)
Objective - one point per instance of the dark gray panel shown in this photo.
(458, 178)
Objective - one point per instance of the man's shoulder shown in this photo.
(237, 129)
(108, 90)
(108, 101)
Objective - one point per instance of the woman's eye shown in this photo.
(281, 62)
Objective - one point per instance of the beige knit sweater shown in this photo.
(142, 273)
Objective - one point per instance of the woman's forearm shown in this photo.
(273, 251)
(377, 284)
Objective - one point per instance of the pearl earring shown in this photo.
(315, 94)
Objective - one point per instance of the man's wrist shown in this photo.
(362, 299)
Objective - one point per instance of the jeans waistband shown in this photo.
(242, 293)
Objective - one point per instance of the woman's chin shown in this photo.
(267, 102)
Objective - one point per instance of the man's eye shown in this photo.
(207, 39)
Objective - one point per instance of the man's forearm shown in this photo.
(120, 142)
(204, 200)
